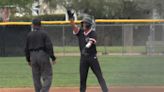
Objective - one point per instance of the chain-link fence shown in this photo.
(136, 39)
(119, 39)
(12, 39)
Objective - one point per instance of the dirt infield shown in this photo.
(92, 89)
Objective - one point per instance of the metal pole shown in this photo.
(105, 52)
(123, 44)
(162, 32)
(63, 40)
(152, 37)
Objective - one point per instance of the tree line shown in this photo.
(106, 9)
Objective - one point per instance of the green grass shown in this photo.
(117, 70)
(103, 49)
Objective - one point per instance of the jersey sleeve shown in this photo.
(49, 47)
(27, 51)
(93, 37)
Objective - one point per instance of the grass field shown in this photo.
(117, 70)
(102, 49)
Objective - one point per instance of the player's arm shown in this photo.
(76, 29)
(87, 46)
(49, 48)
(27, 52)
(72, 22)
(92, 39)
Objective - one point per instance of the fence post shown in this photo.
(105, 42)
(63, 40)
(127, 37)
(151, 39)
(162, 32)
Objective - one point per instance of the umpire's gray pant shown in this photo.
(41, 71)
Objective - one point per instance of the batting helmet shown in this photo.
(88, 22)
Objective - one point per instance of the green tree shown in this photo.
(130, 10)
(87, 6)
(113, 8)
(23, 6)
(152, 7)
(102, 8)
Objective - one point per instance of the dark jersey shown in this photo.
(84, 38)
(38, 40)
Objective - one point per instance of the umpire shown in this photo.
(38, 50)
(87, 44)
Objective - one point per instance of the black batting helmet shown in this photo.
(88, 21)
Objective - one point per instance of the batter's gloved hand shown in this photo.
(70, 14)
(84, 52)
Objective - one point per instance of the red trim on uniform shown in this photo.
(86, 33)
(92, 39)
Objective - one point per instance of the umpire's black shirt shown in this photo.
(84, 38)
(38, 40)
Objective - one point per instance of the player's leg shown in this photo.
(46, 71)
(95, 66)
(36, 72)
(84, 67)
(36, 78)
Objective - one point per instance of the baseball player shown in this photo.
(38, 50)
(87, 43)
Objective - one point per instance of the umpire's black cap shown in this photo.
(36, 22)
